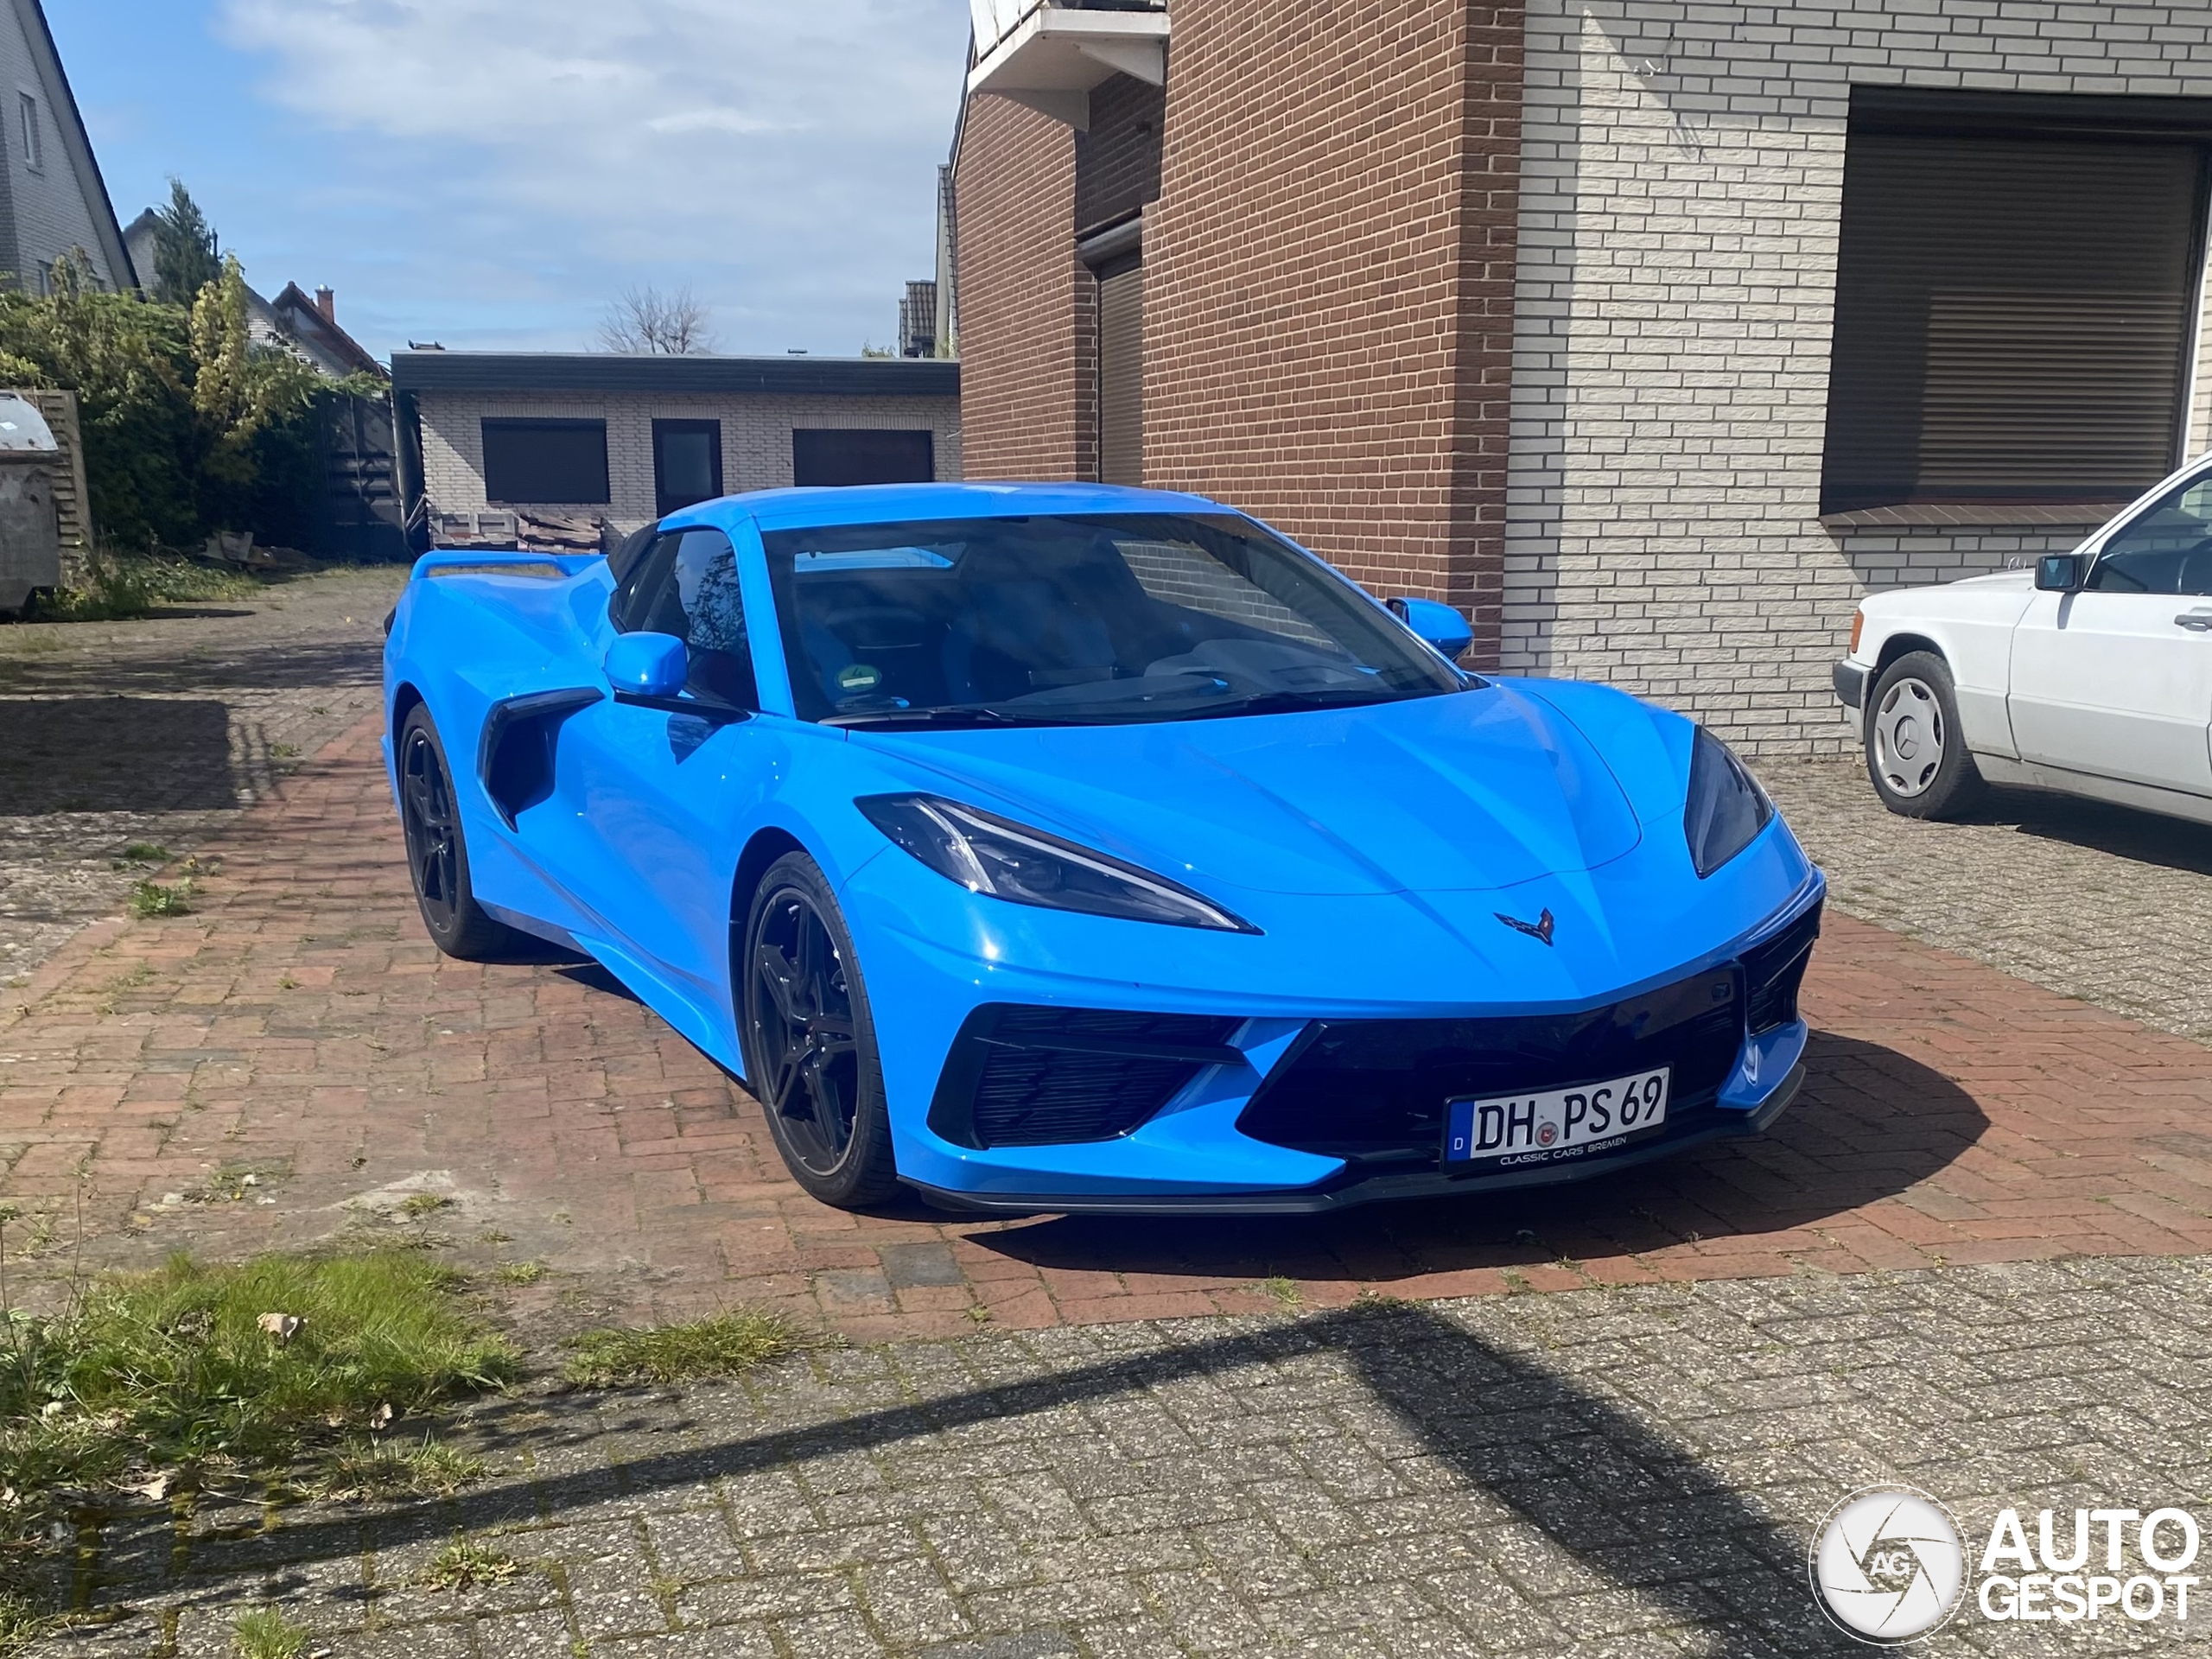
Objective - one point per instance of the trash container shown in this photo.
(30, 525)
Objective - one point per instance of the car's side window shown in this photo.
(2167, 550)
(696, 599)
(634, 589)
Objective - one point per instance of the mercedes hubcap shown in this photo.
(1909, 738)
(802, 1032)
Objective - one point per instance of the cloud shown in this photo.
(778, 156)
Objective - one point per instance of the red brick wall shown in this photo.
(1023, 316)
(1329, 277)
(1118, 161)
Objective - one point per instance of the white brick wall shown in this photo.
(1682, 174)
(756, 439)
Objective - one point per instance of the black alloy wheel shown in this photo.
(809, 1045)
(437, 852)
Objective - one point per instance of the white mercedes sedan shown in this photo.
(2090, 674)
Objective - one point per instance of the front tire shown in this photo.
(1915, 753)
(437, 852)
(810, 1039)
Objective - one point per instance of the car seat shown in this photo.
(1025, 623)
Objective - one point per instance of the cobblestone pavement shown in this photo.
(1609, 1474)
(2095, 901)
(299, 1027)
(157, 732)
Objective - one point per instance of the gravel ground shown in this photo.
(2111, 906)
(1627, 1474)
(154, 734)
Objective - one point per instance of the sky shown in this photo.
(493, 174)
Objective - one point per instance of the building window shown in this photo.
(553, 463)
(34, 136)
(687, 464)
(828, 456)
(2017, 292)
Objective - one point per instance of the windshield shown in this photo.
(1077, 620)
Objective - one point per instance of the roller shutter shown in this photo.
(1121, 375)
(2014, 317)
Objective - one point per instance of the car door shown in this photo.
(2116, 680)
(657, 795)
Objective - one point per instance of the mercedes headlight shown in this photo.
(990, 854)
(1726, 808)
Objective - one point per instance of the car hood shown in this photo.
(1480, 790)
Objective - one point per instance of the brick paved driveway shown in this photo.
(2089, 900)
(160, 732)
(1611, 1474)
(300, 1029)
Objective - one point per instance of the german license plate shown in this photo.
(1556, 1124)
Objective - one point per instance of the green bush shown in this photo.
(189, 427)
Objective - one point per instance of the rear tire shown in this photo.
(810, 1039)
(437, 851)
(1915, 753)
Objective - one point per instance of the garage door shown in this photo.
(1121, 375)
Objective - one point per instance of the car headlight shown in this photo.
(1726, 808)
(990, 854)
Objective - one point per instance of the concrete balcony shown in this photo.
(1048, 54)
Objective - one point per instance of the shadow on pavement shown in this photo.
(1869, 1124)
(2120, 832)
(114, 754)
(1620, 1509)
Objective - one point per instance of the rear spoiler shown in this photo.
(468, 562)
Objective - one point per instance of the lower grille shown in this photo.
(1773, 971)
(1373, 1092)
(1033, 1076)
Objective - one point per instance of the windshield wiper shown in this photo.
(921, 719)
(1287, 703)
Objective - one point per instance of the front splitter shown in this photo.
(1374, 1189)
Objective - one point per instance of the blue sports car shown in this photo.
(1062, 847)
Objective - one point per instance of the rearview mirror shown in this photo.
(2061, 572)
(648, 664)
(1436, 623)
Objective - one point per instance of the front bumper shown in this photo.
(1850, 681)
(1347, 1194)
(1063, 1110)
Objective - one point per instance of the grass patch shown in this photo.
(147, 852)
(1283, 1292)
(724, 1345)
(153, 898)
(518, 1273)
(423, 1204)
(265, 1633)
(465, 1565)
(363, 1469)
(21, 1623)
(199, 1370)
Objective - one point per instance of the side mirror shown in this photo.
(1436, 623)
(2061, 572)
(648, 664)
